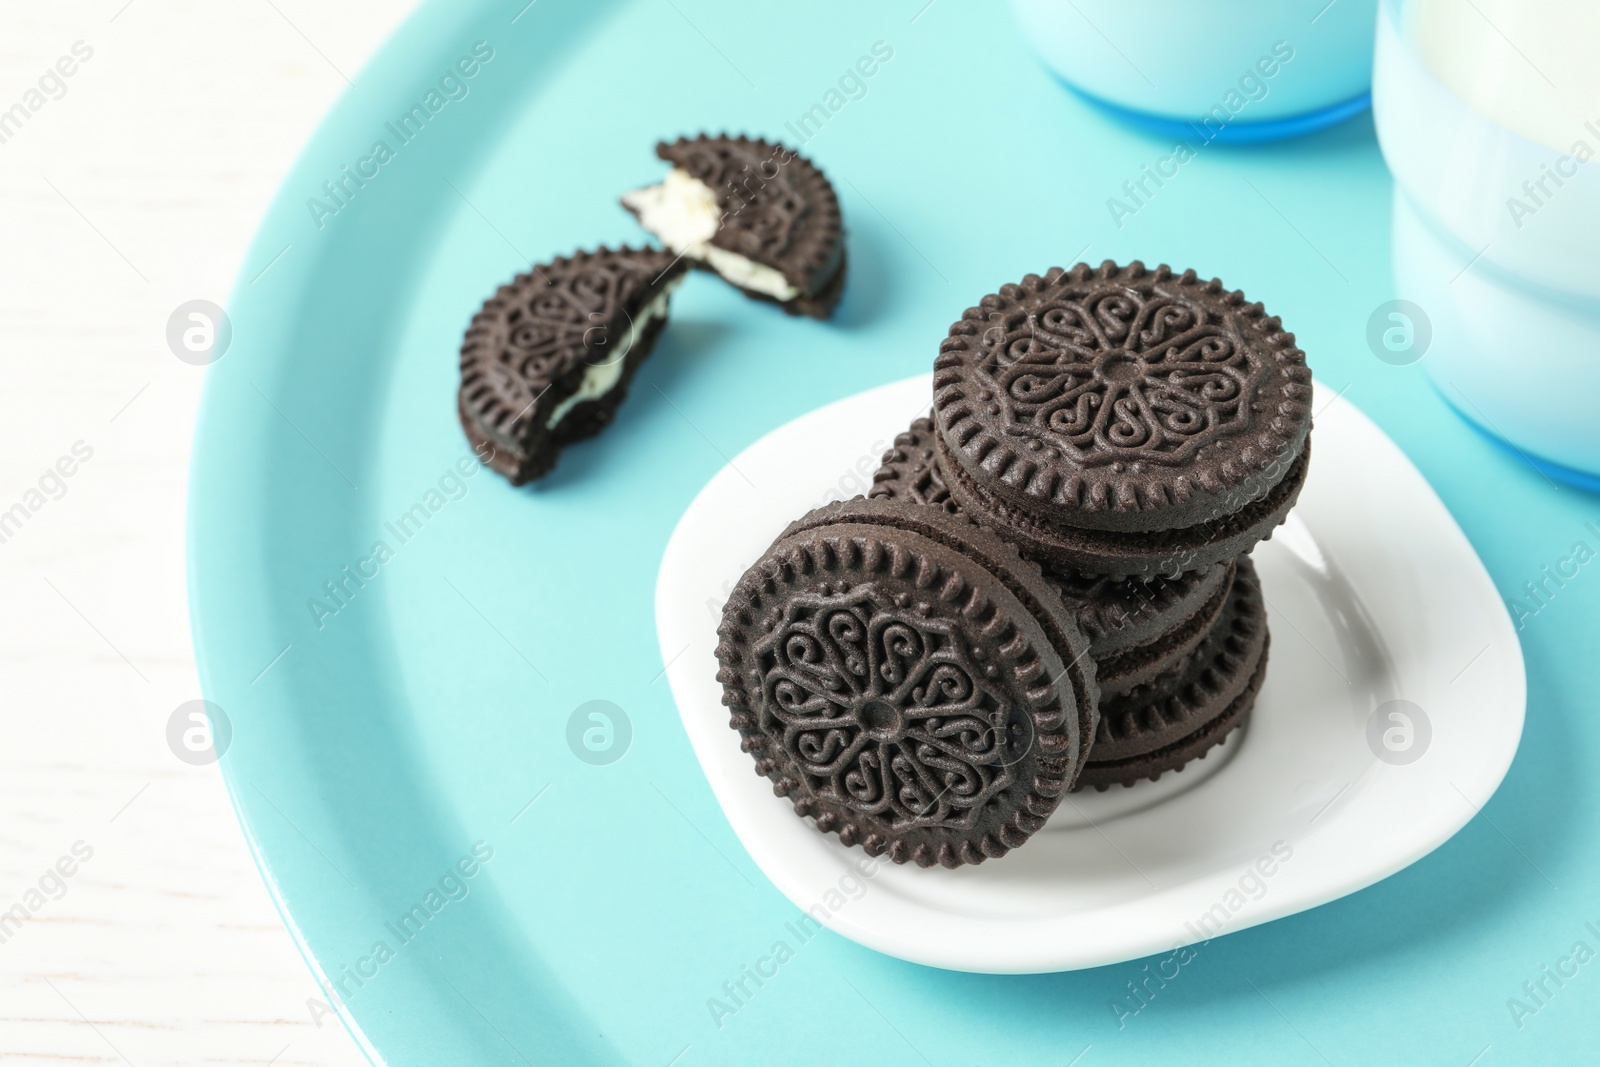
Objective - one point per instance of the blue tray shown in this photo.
(381, 738)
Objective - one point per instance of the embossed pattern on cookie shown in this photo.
(908, 681)
(1120, 398)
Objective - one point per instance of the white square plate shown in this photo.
(1374, 597)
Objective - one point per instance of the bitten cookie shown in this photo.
(548, 358)
(1123, 421)
(1136, 629)
(761, 216)
(909, 681)
(1162, 725)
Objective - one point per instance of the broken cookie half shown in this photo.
(753, 211)
(548, 359)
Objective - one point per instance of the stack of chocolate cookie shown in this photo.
(1052, 587)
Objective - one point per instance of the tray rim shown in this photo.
(268, 278)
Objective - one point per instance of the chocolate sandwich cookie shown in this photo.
(910, 470)
(1121, 670)
(1180, 716)
(761, 216)
(1123, 421)
(908, 681)
(1136, 629)
(1180, 753)
(1124, 615)
(548, 358)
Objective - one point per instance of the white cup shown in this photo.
(1489, 117)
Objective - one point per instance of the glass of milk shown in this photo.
(1217, 70)
(1488, 114)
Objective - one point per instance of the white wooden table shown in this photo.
(131, 187)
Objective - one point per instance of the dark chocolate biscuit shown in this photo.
(1123, 401)
(1175, 756)
(547, 360)
(1127, 614)
(909, 681)
(1157, 554)
(1136, 629)
(1122, 670)
(1154, 727)
(910, 470)
(760, 215)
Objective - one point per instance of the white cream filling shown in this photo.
(682, 211)
(601, 378)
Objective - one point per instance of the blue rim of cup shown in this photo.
(1579, 479)
(1235, 132)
